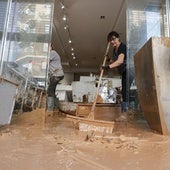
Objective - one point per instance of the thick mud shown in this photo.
(32, 142)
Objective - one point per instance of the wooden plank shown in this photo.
(24, 98)
(152, 74)
(40, 99)
(19, 90)
(107, 112)
(34, 98)
(9, 81)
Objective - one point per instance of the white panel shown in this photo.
(8, 92)
(82, 88)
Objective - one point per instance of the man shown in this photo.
(119, 62)
(55, 75)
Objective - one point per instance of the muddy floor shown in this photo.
(30, 144)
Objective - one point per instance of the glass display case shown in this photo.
(28, 37)
(144, 20)
(25, 27)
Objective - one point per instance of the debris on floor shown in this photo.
(28, 144)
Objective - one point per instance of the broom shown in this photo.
(91, 114)
(90, 124)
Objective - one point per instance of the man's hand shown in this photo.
(106, 67)
(108, 60)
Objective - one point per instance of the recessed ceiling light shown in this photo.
(66, 27)
(64, 18)
(62, 6)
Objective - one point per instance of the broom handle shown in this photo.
(91, 114)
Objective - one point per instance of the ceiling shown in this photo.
(88, 22)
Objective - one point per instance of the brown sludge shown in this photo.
(28, 143)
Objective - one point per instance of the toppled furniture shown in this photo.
(29, 94)
(31, 98)
(8, 92)
(152, 73)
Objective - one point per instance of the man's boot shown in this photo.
(56, 105)
(50, 106)
(123, 115)
(124, 106)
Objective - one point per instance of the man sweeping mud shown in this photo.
(55, 75)
(119, 61)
